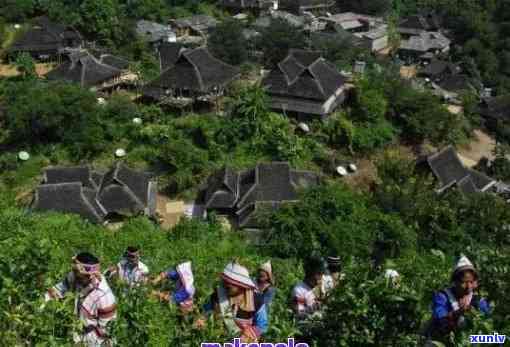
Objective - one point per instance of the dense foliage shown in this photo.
(480, 30)
(276, 40)
(228, 43)
(328, 219)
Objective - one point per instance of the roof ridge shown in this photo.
(315, 78)
(118, 167)
(187, 54)
(253, 187)
(456, 155)
(89, 205)
(280, 66)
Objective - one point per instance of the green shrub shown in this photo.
(332, 219)
(372, 313)
(370, 136)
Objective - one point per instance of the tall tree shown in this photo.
(25, 65)
(277, 39)
(228, 43)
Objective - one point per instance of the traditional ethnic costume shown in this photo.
(182, 275)
(132, 274)
(244, 315)
(95, 303)
(266, 291)
(445, 302)
(328, 282)
(305, 300)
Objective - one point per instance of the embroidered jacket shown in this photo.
(95, 305)
(254, 323)
(130, 274)
(304, 299)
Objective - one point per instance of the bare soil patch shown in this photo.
(482, 145)
(169, 211)
(408, 71)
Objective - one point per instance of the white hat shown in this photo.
(463, 263)
(120, 152)
(268, 269)
(391, 274)
(237, 275)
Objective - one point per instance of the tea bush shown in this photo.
(364, 310)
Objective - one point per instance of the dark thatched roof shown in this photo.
(45, 36)
(447, 166)
(497, 107)
(196, 70)
(439, 67)
(429, 22)
(305, 57)
(242, 4)
(85, 69)
(467, 186)
(122, 181)
(79, 190)
(296, 78)
(114, 61)
(272, 183)
(221, 189)
(266, 185)
(456, 83)
(68, 198)
(81, 174)
(306, 5)
(169, 53)
(449, 170)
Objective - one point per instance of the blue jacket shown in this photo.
(442, 306)
(180, 294)
(259, 317)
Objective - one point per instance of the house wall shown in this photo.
(408, 54)
(380, 43)
(309, 107)
(295, 105)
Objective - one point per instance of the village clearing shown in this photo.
(482, 145)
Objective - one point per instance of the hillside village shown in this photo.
(368, 136)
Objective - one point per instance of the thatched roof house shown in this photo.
(94, 196)
(83, 68)
(305, 83)
(45, 40)
(450, 171)
(242, 194)
(300, 6)
(196, 73)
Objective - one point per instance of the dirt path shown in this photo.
(408, 71)
(481, 146)
(9, 70)
(169, 211)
